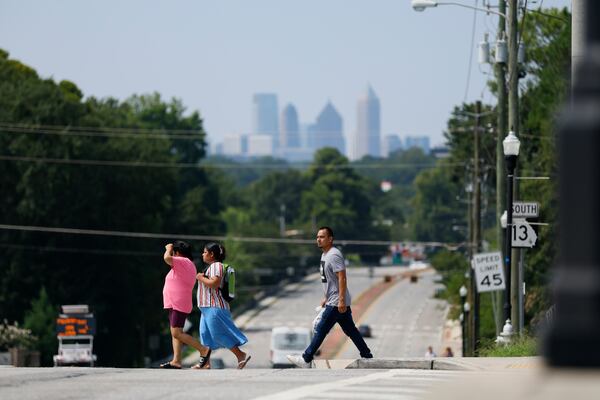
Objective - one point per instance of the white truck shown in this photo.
(75, 329)
(288, 340)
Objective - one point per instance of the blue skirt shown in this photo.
(217, 329)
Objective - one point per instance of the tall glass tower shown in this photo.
(367, 139)
(329, 129)
(266, 118)
(289, 135)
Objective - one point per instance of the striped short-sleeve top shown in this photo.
(209, 297)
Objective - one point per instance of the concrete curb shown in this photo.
(439, 364)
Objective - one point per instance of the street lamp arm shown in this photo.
(487, 10)
(420, 5)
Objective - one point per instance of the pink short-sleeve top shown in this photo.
(179, 285)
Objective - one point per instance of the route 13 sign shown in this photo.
(523, 234)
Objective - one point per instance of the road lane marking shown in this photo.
(318, 389)
(354, 387)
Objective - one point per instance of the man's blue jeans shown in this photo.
(331, 315)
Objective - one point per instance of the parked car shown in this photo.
(288, 340)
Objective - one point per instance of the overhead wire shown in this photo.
(150, 164)
(78, 250)
(151, 235)
(101, 129)
(470, 64)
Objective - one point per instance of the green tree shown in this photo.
(101, 271)
(544, 92)
(436, 209)
(41, 320)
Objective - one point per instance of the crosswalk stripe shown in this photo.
(315, 390)
(408, 385)
(378, 396)
(380, 389)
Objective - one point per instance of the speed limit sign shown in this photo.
(489, 271)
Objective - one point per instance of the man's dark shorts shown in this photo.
(177, 318)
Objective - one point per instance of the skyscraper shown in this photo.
(265, 111)
(391, 143)
(329, 129)
(289, 134)
(421, 142)
(367, 139)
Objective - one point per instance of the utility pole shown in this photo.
(501, 131)
(476, 226)
(513, 118)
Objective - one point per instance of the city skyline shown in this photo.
(215, 55)
(297, 140)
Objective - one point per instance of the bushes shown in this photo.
(13, 336)
(523, 346)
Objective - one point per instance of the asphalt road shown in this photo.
(265, 384)
(404, 320)
(295, 306)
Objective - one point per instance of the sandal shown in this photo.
(243, 363)
(204, 361)
(199, 366)
(168, 365)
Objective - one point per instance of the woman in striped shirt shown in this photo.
(217, 329)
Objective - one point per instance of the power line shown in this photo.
(124, 135)
(100, 128)
(148, 164)
(78, 251)
(170, 236)
(471, 54)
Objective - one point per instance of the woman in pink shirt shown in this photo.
(177, 298)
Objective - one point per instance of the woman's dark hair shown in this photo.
(217, 250)
(183, 248)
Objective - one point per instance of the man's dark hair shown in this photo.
(328, 229)
(183, 248)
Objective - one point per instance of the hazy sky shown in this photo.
(214, 54)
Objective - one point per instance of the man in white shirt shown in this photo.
(336, 302)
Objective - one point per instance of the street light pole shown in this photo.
(513, 119)
(466, 312)
(511, 150)
(463, 295)
(500, 69)
(476, 228)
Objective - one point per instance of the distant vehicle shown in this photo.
(287, 340)
(418, 265)
(75, 329)
(75, 351)
(365, 330)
